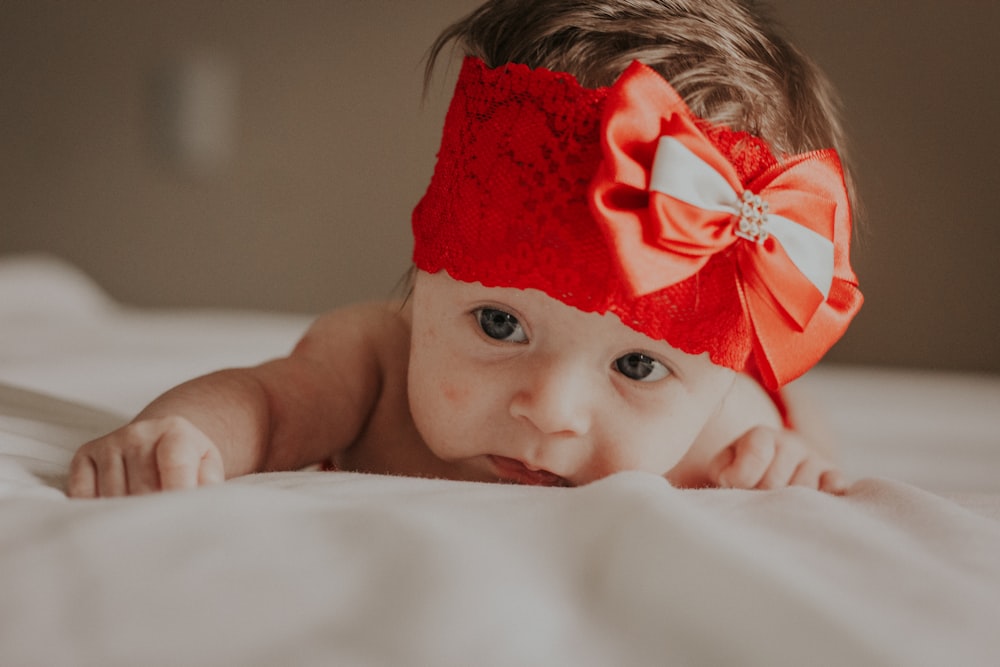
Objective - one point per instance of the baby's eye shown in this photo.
(500, 325)
(638, 366)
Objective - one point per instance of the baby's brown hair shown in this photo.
(726, 58)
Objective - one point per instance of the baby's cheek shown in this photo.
(456, 395)
(441, 412)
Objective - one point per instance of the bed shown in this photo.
(322, 568)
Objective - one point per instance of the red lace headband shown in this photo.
(619, 200)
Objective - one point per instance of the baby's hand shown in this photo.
(765, 458)
(144, 457)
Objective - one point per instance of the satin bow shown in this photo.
(669, 200)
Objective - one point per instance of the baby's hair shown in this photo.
(726, 58)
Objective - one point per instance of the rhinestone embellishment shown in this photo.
(752, 224)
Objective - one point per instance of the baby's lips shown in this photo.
(512, 470)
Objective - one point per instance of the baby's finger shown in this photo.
(784, 464)
(808, 473)
(833, 481)
(211, 470)
(752, 455)
(82, 482)
(110, 467)
(140, 471)
(178, 459)
(721, 462)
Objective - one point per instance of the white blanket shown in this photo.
(345, 569)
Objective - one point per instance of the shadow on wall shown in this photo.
(267, 155)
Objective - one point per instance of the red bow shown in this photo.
(669, 200)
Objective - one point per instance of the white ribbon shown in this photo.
(679, 173)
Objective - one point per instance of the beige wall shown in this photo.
(332, 148)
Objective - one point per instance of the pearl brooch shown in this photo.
(752, 224)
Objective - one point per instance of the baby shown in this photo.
(636, 233)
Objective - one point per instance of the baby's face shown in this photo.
(514, 385)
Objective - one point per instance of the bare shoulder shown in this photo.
(323, 394)
(744, 407)
(370, 326)
(359, 347)
(748, 405)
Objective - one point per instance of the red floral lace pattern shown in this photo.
(508, 207)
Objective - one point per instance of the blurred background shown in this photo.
(265, 154)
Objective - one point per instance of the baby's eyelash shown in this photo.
(641, 367)
(500, 325)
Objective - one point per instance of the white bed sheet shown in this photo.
(336, 568)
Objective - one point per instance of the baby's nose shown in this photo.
(557, 399)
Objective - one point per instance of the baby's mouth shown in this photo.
(513, 471)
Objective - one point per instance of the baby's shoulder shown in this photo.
(749, 402)
(375, 327)
(368, 316)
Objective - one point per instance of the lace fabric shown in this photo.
(508, 206)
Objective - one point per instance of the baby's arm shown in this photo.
(746, 446)
(281, 415)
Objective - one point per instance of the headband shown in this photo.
(620, 200)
